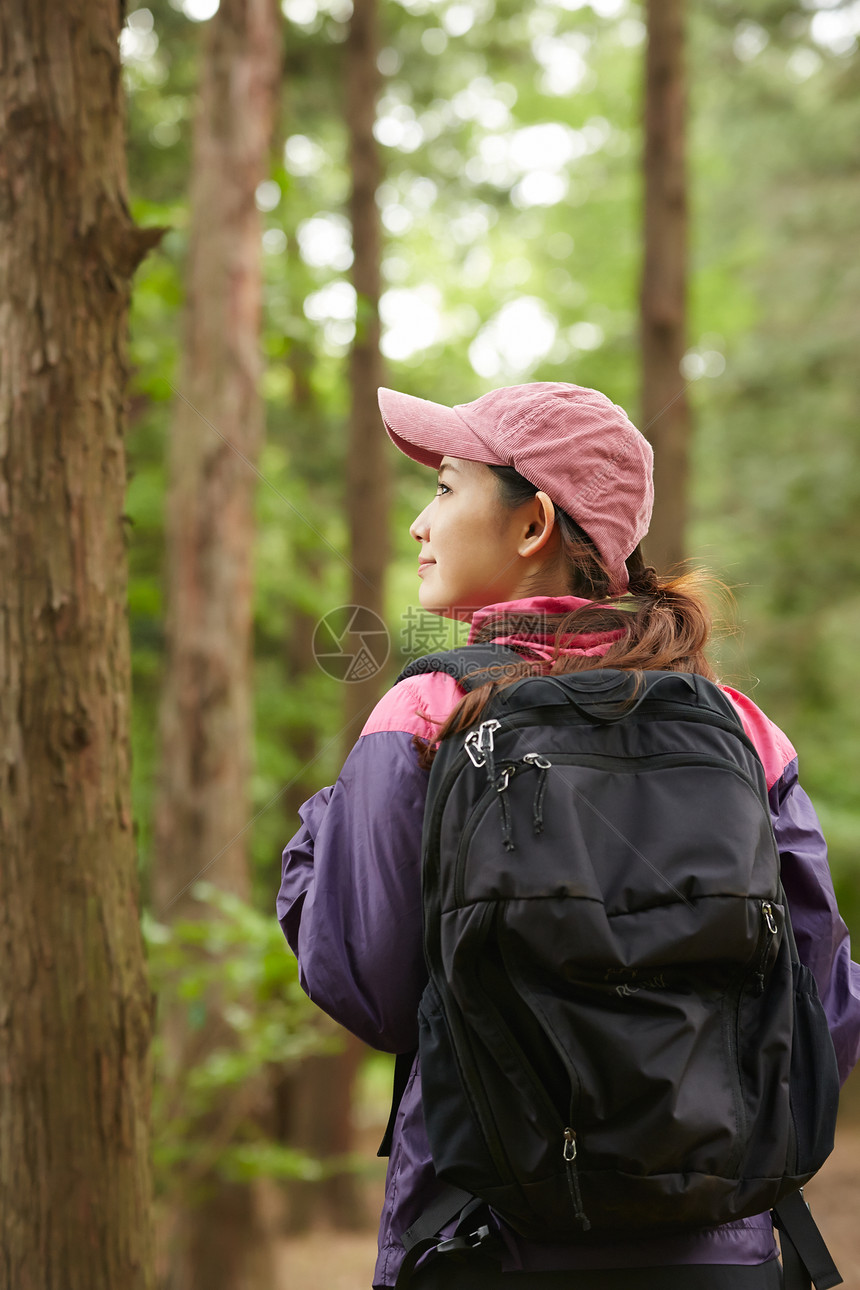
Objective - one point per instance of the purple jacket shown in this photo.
(350, 908)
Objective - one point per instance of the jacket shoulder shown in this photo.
(417, 706)
(772, 745)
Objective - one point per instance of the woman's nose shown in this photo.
(418, 527)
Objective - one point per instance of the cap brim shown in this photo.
(427, 431)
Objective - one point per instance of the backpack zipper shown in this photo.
(624, 765)
(770, 930)
(479, 747)
(507, 837)
(483, 804)
(543, 764)
(753, 978)
(569, 1154)
(486, 1119)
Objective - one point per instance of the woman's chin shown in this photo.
(433, 600)
(431, 603)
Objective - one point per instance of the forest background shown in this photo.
(502, 149)
(510, 150)
(510, 201)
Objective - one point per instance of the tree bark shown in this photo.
(75, 1006)
(296, 1122)
(368, 458)
(665, 410)
(202, 806)
(312, 1099)
(367, 504)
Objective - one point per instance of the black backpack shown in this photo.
(617, 1038)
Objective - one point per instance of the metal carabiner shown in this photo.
(505, 775)
(485, 735)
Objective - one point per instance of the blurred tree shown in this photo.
(367, 458)
(74, 1076)
(202, 808)
(665, 414)
(323, 1096)
(307, 1115)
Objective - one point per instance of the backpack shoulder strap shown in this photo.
(423, 1235)
(468, 664)
(403, 1064)
(805, 1257)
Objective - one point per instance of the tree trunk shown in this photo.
(368, 458)
(665, 410)
(202, 806)
(367, 506)
(296, 1123)
(75, 1005)
(312, 1099)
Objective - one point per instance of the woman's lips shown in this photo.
(424, 564)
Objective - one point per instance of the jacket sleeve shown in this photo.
(350, 895)
(822, 938)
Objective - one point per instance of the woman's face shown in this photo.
(478, 552)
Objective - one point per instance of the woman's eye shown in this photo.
(441, 485)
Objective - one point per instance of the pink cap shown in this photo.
(573, 443)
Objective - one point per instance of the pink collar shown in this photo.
(531, 606)
(523, 633)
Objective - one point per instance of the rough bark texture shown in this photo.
(75, 1005)
(205, 719)
(665, 410)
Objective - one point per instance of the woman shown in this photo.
(544, 494)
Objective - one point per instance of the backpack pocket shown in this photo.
(464, 1139)
(814, 1077)
(493, 1126)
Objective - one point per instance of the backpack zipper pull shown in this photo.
(569, 1153)
(479, 746)
(543, 765)
(501, 785)
(485, 746)
(479, 742)
(485, 735)
(771, 929)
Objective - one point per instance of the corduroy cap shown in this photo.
(572, 443)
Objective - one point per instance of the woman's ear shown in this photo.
(541, 523)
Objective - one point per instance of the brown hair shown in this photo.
(659, 624)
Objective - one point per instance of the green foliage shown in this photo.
(229, 964)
